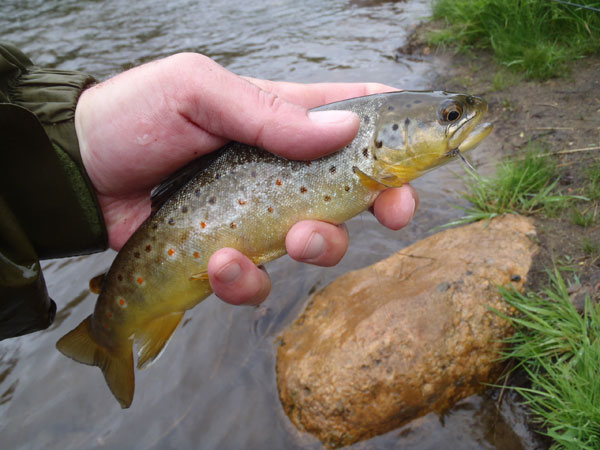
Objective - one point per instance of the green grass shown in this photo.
(536, 37)
(524, 186)
(584, 218)
(591, 249)
(593, 181)
(559, 349)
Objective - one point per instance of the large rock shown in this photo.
(409, 335)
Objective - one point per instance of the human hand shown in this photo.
(140, 126)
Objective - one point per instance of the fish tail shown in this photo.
(116, 364)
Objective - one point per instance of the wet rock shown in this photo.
(409, 335)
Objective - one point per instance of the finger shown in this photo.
(236, 280)
(395, 208)
(319, 243)
(227, 105)
(316, 94)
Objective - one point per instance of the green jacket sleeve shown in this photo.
(48, 206)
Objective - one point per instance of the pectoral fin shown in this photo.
(369, 181)
(154, 336)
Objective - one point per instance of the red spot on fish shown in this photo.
(109, 315)
(303, 189)
(327, 198)
(140, 280)
(203, 224)
(196, 255)
(233, 226)
(242, 202)
(106, 326)
(171, 252)
(122, 302)
(270, 209)
(278, 182)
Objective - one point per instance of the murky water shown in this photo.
(214, 387)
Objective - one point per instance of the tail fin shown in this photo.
(116, 364)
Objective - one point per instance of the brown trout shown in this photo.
(246, 198)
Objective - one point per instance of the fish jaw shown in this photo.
(479, 133)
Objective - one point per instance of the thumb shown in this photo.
(231, 107)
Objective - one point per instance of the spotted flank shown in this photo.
(246, 198)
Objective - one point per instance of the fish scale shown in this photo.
(247, 198)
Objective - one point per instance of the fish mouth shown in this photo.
(478, 134)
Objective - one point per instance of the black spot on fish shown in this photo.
(374, 156)
(346, 188)
(120, 277)
(212, 200)
(308, 163)
(253, 174)
(197, 192)
(327, 198)
(233, 226)
(171, 221)
(395, 127)
(154, 226)
(332, 169)
(378, 144)
(184, 209)
(148, 248)
(367, 119)
(365, 152)
(421, 125)
(407, 121)
(137, 254)
(390, 108)
(303, 189)
(416, 102)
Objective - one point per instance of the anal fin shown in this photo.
(154, 336)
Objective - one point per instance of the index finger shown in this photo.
(317, 94)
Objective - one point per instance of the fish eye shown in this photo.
(451, 112)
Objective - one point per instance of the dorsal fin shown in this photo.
(170, 185)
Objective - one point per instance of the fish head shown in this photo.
(417, 131)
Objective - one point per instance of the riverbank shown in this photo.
(561, 118)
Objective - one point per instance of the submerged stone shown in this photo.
(409, 335)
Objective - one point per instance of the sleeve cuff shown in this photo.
(51, 96)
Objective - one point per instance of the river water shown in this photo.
(214, 387)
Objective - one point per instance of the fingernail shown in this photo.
(314, 247)
(414, 207)
(327, 117)
(229, 273)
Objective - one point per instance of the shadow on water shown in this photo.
(214, 387)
